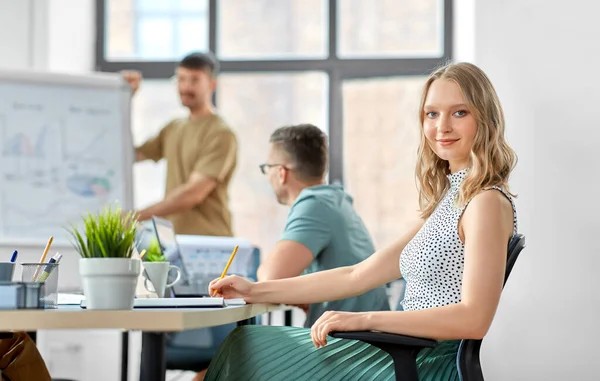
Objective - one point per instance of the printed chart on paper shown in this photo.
(61, 156)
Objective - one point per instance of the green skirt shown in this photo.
(269, 353)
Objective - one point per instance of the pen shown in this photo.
(49, 267)
(14, 256)
(37, 271)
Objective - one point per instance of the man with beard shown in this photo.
(201, 154)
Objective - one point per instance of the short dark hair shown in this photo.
(201, 61)
(306, 146)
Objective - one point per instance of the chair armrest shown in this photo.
(373, 337)
(403, 349)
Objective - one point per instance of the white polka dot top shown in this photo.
(432, 262)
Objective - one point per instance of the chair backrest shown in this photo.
(469, 366)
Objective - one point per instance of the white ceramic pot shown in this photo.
(109, 283)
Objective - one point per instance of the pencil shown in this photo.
(235, 249)
(142, 253)
(37, 271)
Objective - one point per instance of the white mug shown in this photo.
(157, 273)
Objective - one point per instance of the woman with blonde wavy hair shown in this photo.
(453, 260)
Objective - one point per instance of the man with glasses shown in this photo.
(201, 154)
(322, 231)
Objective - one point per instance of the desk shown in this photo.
(153, 323)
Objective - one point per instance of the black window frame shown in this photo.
(338, 69)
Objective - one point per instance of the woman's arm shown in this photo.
(487, 225)
(343, 282)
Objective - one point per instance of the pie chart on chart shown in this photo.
(88, 185)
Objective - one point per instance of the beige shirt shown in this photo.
(207, 146)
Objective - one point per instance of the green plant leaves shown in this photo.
(154, 253)
(108, 234)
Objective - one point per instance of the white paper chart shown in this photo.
(65, 150)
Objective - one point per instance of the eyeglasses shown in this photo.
(263, 167)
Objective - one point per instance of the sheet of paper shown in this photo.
(235, 302)
(70, 299)
(179, 302)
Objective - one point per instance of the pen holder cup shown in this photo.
(46, 273)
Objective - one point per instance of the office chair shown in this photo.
(404, 349)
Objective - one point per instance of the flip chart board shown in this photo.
(66, 149)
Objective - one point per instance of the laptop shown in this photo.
(167, 239)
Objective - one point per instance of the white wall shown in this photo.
(463, 30)
(541, 56)
(15, 33)
(71, 35)
(57, 35)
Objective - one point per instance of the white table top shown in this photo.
(144, 319)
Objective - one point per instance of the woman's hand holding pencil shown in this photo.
(216, 291)
(231, 287)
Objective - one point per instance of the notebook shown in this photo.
(206, 302)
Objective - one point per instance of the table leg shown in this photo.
(33, 335)
(154, 362)
(288, 318)
(125, 356)
(249, 321)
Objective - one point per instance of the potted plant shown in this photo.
(108, 273)
(153, 252)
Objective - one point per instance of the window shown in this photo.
(390, 28)
(155, 30)
(154, 105)
(255, 105)
(381, 136)
(288, 29)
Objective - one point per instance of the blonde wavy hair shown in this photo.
(492, 159)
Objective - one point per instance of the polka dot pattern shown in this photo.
(432, 262)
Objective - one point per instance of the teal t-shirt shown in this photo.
(324, 220)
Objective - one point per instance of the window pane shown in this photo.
(390, 28)
(381, 136)
(192, 5)
(157, 30)
(155, 37)
(255, 105)
(153, 106)
(120, 44)
(272, 29)
(189, 30)
(169, 5)
(153, 5)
